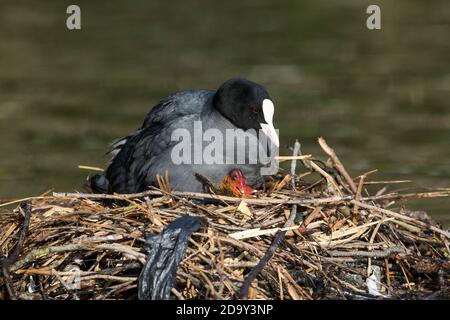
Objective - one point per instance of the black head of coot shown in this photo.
(247, 105)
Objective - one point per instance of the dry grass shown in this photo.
(327, 239)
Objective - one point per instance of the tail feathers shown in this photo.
(98, 184)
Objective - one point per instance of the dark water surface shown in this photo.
(380, 98)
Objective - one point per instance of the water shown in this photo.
(380, 98)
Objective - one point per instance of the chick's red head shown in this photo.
(235, 184)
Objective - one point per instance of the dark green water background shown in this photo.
(380, 98)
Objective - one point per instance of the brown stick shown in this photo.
(358, 196)
(40, 252)
(294, 163)
(262, 202)
(371, 254)
(268, 255)
(197, 195)
(337, 163)
(6, 262)
(402, 217)
(328, 177)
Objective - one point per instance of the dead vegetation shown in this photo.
(296, 240)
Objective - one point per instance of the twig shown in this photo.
(40, 252)
(386, 182)
(402, 217)
(294, 157)
(295, 284)
(23, 233)
(6, 262)
(177, 294)
(337, 163)
(371, 240)
(326, 176)
(8, 203)
(280, 283)
(294, 163)
(83, 167)
(262, 201)
(371, 254)
(108, 277)
(279, 237)
(358, 195)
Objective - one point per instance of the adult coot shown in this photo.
(238, 106)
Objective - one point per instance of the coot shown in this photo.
(239, 105)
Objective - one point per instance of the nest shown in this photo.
(326, 239)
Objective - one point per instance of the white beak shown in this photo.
(268, 129)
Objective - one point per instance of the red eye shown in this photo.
(255, 110)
